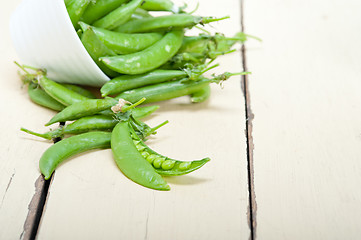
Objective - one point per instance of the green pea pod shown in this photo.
(181, 60)
(166, 166)
(82, 109)
(96, 49)
(118, 16)
(201, 95)
(195, 44)
(164, 91)
(92, 123)
(68, 147)
(40, 97)
(100, 8)
(60, 92)
(164, 23)
(76, 9)
(205, 43)
(123, 43)
(131, 162)
(82, 91)
(126, 82)
(140, 14)
(147, 59)
(142, 112)
(159, 5)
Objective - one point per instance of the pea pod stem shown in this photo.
(127, 108)
(24, 67)
(153, 130)
(47, 135)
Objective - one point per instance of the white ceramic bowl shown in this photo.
(44, 37)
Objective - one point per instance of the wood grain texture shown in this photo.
(19, 152)
(91, 199)
(305, 96)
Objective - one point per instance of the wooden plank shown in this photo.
(20, 185)
(90, 199)
(305, 97)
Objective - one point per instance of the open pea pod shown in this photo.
(131, 162)
(163, 165)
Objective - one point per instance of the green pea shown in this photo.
(151, 158)
(145, 154)
(140, 147)
(157, 163)
(168, 164)
(184, 165)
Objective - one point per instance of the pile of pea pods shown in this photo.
(149, 59)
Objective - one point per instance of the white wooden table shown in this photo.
(285, 142)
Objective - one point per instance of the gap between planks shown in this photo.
(252, 211)
(36, 207)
